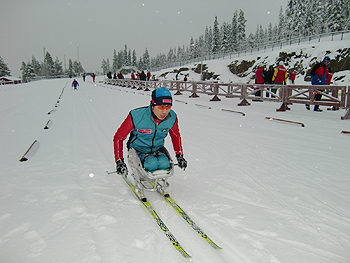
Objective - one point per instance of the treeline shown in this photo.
(300, 18)
(49, 68)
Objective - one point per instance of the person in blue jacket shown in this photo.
(148, 127)
(75, 84)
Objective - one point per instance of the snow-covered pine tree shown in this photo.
(36, 66)
(57, 68)
(48, 64)
(208, 41)
(114, 62)
(241, 35)
(335, 16)
(4, 70)
(134, 58)
(225, 36)
(125, 56)
(216, 36)
(191, 49)
(233, 33)
(146, 60)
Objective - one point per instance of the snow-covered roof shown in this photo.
(10, 78)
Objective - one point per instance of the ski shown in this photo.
(159, 221)
(189, 220)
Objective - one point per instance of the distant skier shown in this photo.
(148, 128)
(75, 84)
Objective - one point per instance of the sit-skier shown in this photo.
(148, 127)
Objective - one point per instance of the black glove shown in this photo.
(181, 161)
(121, 167)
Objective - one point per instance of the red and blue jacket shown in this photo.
(147, 133)
(319, 74)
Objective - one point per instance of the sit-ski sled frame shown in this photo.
(149, 181)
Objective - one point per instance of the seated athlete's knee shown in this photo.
(150, 163)
(163, 162)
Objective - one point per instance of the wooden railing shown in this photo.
(333, 96)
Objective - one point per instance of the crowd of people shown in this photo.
(138, 76)
(320, 75)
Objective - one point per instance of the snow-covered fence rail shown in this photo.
(334, 96)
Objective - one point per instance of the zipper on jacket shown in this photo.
(154, 136)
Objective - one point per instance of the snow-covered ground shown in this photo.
(265, 191)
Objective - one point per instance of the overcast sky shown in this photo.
(93, 29)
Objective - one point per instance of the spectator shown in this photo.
(292, 75)
(148, 75)
(259, 78)
(319, 74)
(279, 76)
(268, 78)
(143, 75)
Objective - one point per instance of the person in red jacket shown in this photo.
(259, 78)
(319, 74)
(292, 75)
(279, 76)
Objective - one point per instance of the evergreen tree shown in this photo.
(134, 58)
(241, 35)
(36, 66)
(120, 59)
(4, 70)
(129, 63)
(208, 41)
(27, 71)
(251, 41)
(57, 68)
(233, 33)
(225, 37)
(24, 72)
(336, 20)
(125, 56)
(146, 60)
(105, 66)
(77, 68)
(49, 65)
(115, 61)
(216, 36)
(270, 36)
(282, 30)
(70, 71)
(192, 51)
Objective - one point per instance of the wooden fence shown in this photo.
(334, 96)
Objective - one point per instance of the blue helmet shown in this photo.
(161, 96)
(326, 59)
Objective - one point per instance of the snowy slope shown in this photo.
(307, 53)
(263, 190)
